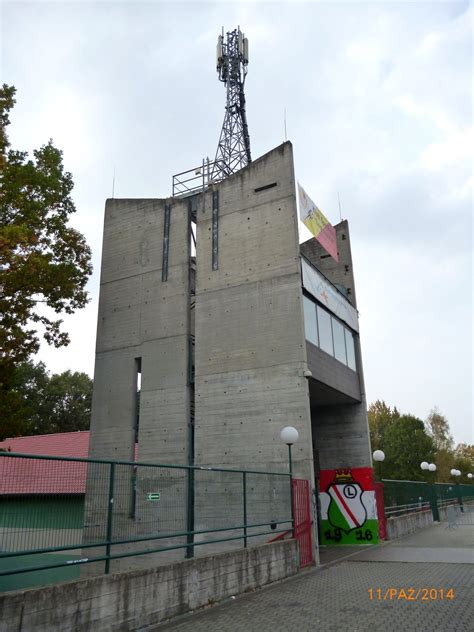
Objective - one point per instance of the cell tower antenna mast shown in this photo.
(233, 150)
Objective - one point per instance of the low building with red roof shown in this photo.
(43, 477)
(42, 504)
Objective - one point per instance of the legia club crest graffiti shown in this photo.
(346, 510)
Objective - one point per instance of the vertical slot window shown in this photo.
(310, 324)
(325, 331)
(138, 388)
(133, 481)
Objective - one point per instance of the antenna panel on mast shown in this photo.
(233, 150)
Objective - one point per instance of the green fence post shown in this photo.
(190, 521)
(434, 502)
(459, 494)
(110, 511)
(290, 464)
(244, 483)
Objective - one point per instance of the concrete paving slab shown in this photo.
(331, 554)
(420, 554)
(338, 599)
(433, 544)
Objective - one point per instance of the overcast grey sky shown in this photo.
(379, 108)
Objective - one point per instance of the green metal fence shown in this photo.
(454, 493)
(57, 514)
(403, 497)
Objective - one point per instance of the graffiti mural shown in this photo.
(348, 509)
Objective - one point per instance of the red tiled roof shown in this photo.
(75, 444)
(40, 476)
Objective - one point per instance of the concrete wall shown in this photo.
(332, 373)
(403, 525)
(141, 316)
(250, 345)
(399, 526)
(341, 432)
(134, 600)
(339, 273)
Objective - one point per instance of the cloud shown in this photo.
(378, 101)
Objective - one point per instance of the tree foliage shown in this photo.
(381, 417)
(407, 441)
(402, 438)
(44, 404)
(44, 262)
(465, 451)
(438, 428)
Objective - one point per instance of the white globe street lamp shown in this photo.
(289, 435)
(378, 456)
(432, 467)
(469, 475)
(453, 472)
(424, 465)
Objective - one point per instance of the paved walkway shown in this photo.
(362, 593)
(434, 544)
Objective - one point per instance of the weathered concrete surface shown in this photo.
(136, 599)
(433, 544)
(250, 351)
(403, 525)
(250, 344)
(337, 599)
(339, 273)
(411, 523)
(341, 432)
(145, 320)
(419, 582)
(329, 372)
(141, 316)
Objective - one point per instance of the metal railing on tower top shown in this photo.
(196, 180)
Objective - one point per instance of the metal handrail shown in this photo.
(137, 463)
(109, 541)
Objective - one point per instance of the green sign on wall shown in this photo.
(153, 496)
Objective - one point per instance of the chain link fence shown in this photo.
(404, 497)
(61, 514)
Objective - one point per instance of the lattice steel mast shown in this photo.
(233, 150)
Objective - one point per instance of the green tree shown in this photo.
(438, 429)
(43, 404)
(466, 451)
(25, 397)
(68, 403)
(406, 445)
(380, 418)
(464, 461)
(44, 262)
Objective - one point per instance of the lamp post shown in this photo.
(289, 435)
(379, 456)
(425, 466)
(431, 467)
(456, 474)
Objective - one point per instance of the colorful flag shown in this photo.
(315, 221)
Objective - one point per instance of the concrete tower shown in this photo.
(216, 344)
